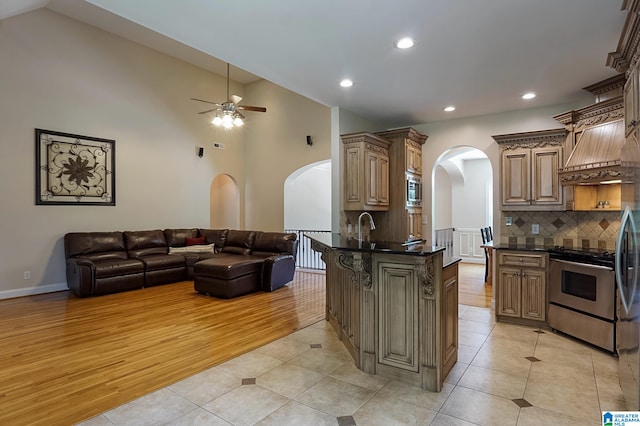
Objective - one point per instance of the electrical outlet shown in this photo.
(535, 229)
(27, 275)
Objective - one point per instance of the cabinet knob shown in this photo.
(633, 123)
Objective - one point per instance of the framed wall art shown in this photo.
(74, 169)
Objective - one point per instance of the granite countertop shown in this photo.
(517, 247)
(448, 261)
(339, 242)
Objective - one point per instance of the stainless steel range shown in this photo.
(582, 295)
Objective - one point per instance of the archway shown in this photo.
(307, 208)
(307, 198)
(224, 196)
(462, 200)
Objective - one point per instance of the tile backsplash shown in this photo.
(575, 229)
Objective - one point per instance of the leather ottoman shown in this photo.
(228, 276)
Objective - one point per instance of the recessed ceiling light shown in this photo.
(346, 83)
(529, 95)
(404, 43)
(450, 108)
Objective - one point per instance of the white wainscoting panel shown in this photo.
(466, 245)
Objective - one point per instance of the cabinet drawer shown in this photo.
(522, 259)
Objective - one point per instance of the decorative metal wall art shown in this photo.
(74, 169)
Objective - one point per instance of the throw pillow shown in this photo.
(189, 241)
(208, 248)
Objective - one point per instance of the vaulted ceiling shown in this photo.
(479, 56)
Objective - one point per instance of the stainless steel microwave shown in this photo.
(414, 191)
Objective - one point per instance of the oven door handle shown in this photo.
(581, 264)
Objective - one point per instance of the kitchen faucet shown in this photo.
(373, 225)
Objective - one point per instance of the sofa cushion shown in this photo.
(214, 236)
(115, 267)
(197, 241)
(208, 248)
(272, 243)
(145, 243)
(154, 262)
(239, 242)
(82, 243)
(177, 237)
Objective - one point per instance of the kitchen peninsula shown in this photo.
(393, 306)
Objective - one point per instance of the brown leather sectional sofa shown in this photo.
(222, 262)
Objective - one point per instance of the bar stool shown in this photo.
(487, 236)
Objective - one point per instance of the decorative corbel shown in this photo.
(426, 277)
(359, 265)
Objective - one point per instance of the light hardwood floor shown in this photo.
(65, 359)
(472, 290)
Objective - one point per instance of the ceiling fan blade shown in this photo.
(236, 99)
(209, 110)
(251, 108)
(241, 116)
(206, 102)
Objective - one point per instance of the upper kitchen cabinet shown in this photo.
(529, 165)
(366, 172)
(404, 219)
(407, 149)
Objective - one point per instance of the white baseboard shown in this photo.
(30, 291)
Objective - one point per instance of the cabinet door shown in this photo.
(398, 316)
(449, 317)
(534, 295)
(509, 292)
(409, 157)
(383, 180)
(376, 172)
(414, 222)
(353, 185)
(371, 176)
(516, 177)
(545, 182)
(413, 159)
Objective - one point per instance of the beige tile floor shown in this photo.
(505, 374)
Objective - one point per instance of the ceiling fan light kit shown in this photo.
(227, 114)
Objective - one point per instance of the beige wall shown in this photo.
(59, 74)
(276, 146)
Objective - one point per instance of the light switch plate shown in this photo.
(535, 229)
(508, 220)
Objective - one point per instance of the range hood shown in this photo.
(596, 158)
(596, 135)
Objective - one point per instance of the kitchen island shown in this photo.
(394, 307)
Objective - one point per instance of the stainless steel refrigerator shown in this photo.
(627, 277)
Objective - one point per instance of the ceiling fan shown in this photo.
(228, 113)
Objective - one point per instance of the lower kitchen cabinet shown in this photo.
(521, 286)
